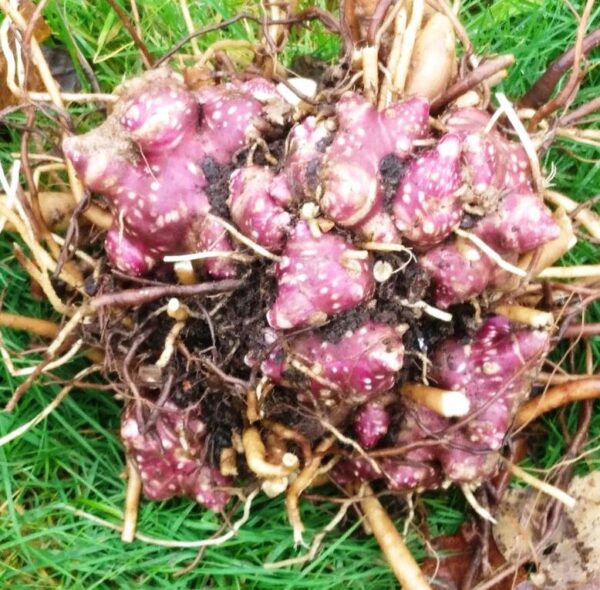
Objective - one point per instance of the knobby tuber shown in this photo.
(160, 158)
(345, 306)
(495, 370)
(149, 159)
(170, 456)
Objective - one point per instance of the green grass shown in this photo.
(74, 457)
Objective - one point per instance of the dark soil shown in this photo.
(391, 173)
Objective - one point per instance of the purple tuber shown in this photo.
(318, 276)
(170, 457)
(494, 370)
(364, 363)
(147, 160)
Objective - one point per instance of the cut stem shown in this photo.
(403, 564)
(370, 72)
(185, 273)
(385, 96)
(445, 403)
(400, 74)
(526, 315)
(581, 271)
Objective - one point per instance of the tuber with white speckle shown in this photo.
(495, 371)
(147, 160)
(170, 457)
(352, 176)
(369, 238)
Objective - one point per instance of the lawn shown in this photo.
(73, 459)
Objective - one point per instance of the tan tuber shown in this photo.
(433, 66)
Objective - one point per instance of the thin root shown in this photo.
(542, 486)
(256, 453)
(62, 394)
(491, 253)
(132, 502)
(556, 397)
(304, 479)
(169, 542)
(316, 543)
(477, 507)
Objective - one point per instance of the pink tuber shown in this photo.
(254, 209)
(352, 194)
(147, 160)
(170, 456)
(365, 362)
(307, 142)
(371, 424)
(494, 370)
(497, 175)
(157, 160)
(427, 205)
(317, 277)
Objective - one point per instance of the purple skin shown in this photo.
(427, 206)
(258, 197)
(352, 194)
(401, 475)
(480, 160)
(364, 363)
(460, 270)
(521, 223)
(169, 457)
(498, 168)
(298, 179)
(318, 277)
(495, 371)
(490, 158)
(371, 424)
(146, 160)
(254, 210)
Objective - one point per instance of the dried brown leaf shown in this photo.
(455, 555)
(41, 32)
(571, 559)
